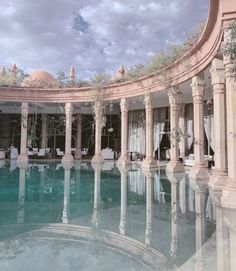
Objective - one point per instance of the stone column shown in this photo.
(199, 170)
(97, 158)
(68, 156)
(149, 161)
(219, 173)
(174, 164)
(182, 128)
(78, 137)
(44, 131)
(124, 158)
(229, 191)
(123, 197)
(66, 200)
(23, 157)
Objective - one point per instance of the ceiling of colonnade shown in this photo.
(93, 35)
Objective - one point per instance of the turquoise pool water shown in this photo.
(81, 218)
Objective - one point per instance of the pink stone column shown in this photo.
(199, 170)
(149, 161)
(79, 137)
(229, 191)
(44, 132)
(23, 157)
(174, 164)
(68, 156)
(182, 128)
(97, 158)
(219, 173)
(124, 158)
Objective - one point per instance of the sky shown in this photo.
(92, 35)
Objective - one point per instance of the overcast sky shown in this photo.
(92, 35)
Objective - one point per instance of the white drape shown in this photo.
(136, 182)
(191, 199)
(210, 209)
(189, 124)
(159, 116)
(209, 129)
(136, 136)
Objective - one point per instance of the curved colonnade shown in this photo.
(188, 70)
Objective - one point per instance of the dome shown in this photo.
(40, 79)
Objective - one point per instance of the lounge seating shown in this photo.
(108, 153)
(2, 154)
(30, 153)
(41, 153)
(35, 151)
(59, 152)
(189, 161)
(14, 153)
(84, 151)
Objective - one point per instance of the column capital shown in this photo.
(217, 72)
(98, 107)
(124, 105)
(148, 100)
(24, 109)
(198, 85)
(174, 94)
(68, 108)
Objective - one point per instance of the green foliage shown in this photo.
(100, 80)
(229, 47)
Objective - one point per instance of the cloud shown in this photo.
(92, 35)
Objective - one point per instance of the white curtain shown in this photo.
(189, 124)
(136, 182)
(136, 136)
(159, 116)
(209, 130)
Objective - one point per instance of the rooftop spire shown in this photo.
(72, 73)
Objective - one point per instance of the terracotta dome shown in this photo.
(40, 79)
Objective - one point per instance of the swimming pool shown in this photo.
(85, 217)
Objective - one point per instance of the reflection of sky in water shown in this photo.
(50, 212)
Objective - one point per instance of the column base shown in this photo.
(97, 159)
(199, 173)
(218, 180)
(67, 158)
(229, 195)
(123, 161)
(149, 164)
(22, 159)
(174, 166)
(78, 155)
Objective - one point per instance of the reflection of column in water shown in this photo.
(175, 178)
(174, 216)
(97, 194)
(123, 198)
(222, 236)
(66, 205)
(21, 198)
(200, 189)
(230, 222)
(182, 195)
(149, 206)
